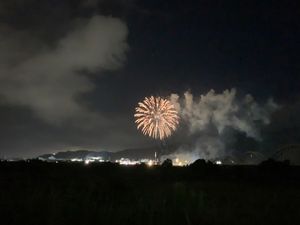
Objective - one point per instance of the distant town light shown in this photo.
(219, 162)
(150, 163)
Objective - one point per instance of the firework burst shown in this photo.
(156, 117)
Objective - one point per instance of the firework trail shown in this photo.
(156, 117)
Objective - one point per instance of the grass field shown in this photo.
(63, 193)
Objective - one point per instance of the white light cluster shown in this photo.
(218, 162)
(91, 159)
(76, 160)
(128, 162)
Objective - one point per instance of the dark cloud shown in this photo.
(49, 80)
(44, 75)
(284, 129)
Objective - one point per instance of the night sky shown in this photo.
(72, 71)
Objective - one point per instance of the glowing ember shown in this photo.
(156, 117)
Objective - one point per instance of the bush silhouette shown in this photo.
(167, 163)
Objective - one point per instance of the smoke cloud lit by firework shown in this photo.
(213, 120)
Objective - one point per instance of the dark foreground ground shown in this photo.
(48, 193)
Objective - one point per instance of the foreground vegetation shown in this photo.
(65, 193)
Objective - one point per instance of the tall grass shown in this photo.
(74, 194)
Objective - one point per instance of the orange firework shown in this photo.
(156, 117)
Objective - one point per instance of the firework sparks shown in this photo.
(156, 117)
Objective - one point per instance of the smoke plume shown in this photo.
(214, 119)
